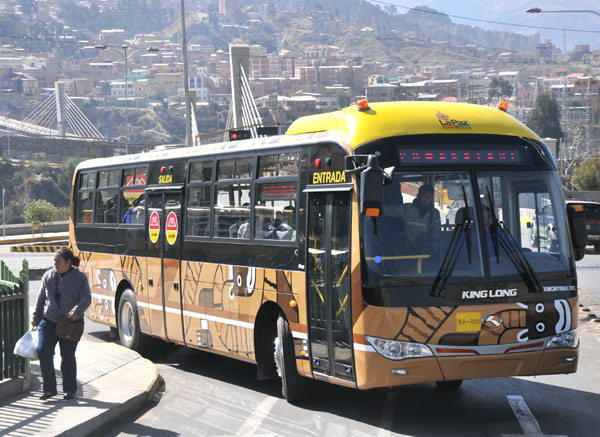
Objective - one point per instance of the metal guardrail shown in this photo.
(14, 318)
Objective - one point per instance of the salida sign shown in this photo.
(154, 227)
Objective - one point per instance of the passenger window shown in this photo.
(198, 211)
(275, 211)
(288, 164)
(134, 176)
(282, 164)
(225, 169)
(108, 178)
(201, 171)
(267, 166)
(243, 168)
(106, 206)
(88, 180)
(232, 211)
(85, 207)
(133, 204)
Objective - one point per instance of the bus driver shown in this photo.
(423, 222)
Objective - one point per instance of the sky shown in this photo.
(513, 11)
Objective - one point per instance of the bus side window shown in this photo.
(198, 211)
(275, 211)
(232, 210)
(85, 197)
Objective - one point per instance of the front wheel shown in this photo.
(128, 324)
(293, 386)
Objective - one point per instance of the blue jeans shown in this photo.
(68, 365)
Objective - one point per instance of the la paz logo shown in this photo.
(171, 228)
(154, 226)
(449, 123)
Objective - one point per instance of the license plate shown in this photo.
(468, 322)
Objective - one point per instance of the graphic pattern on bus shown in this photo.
(516, 323)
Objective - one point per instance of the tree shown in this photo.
(342, 99)
(39, 210)
(587, 175)
(545, 117)
(499, 87)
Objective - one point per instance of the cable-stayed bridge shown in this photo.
(56, 116)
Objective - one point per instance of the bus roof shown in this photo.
(389, 119)
(263, 144)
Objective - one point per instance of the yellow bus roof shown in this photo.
(389, 119)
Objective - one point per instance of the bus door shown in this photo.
(163, 249)
(329, 313)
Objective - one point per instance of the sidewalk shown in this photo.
(28, 238)
(114, 382)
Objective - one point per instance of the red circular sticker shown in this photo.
(154, 226)
(171, 228)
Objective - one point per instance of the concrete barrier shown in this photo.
(25, 228)
(39, 248)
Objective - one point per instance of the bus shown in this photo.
(380, 245)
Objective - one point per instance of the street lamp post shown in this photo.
(126, 57)
(553, 11)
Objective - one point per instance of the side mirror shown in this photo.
(371, 188)
(577, 226)
(372, 180)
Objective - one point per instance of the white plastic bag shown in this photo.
(27, 346)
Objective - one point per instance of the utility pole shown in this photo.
(186, 85)
(3, 216)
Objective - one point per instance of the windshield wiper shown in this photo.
(454, 248)
(512, 249)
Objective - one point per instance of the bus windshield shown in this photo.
(468, 226)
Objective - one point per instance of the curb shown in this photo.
(115, 415)
(34, 239)
(37, 248)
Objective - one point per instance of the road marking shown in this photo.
(253, 421)
(528, 423)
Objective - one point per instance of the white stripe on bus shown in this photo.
(363, 347)
(200, 316)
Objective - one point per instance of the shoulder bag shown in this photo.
(66, 329)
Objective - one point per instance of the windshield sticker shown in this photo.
(451, 123)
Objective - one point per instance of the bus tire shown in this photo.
(449, 385)
(597, 248)
(293, 386)
(130, 334)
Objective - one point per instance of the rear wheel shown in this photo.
(597, 247)
(293, 386)
(449, 385)
(128, 325)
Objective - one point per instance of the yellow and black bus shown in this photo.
(380, 245)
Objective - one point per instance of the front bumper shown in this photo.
(375, 371)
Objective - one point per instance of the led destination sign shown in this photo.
(485, 156)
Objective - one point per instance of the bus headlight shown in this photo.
(398, 350)
(564, 340)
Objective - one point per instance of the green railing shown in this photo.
(14, 318)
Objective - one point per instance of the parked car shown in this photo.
(592, 218)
